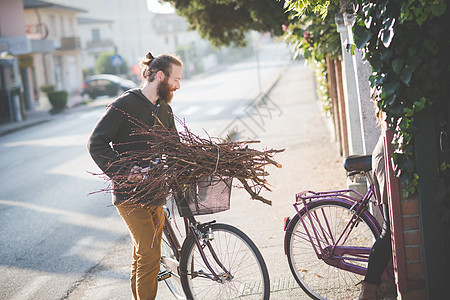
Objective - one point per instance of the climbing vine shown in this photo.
(407, 44)
(317, 7)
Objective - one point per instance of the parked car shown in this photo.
(105, 85)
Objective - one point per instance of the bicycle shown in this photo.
(328, 240)
(215, 261)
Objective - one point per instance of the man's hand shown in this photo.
(135, 174)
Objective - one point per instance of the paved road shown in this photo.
(57, 242)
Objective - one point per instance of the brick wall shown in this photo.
(412, 238)
(406, 236)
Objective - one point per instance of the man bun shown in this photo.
(148, 59)
(163, 62)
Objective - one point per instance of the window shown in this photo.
(63, 30)
(95, 35)
(72, 27)
(53, 32)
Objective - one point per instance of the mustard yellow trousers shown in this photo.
(145, 227)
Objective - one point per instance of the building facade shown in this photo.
(13, 44)
(130, 29)
(96, 37)
(58, 24)
(53, 42)
(39, 46)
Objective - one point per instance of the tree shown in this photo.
(226, 22)
(103, 64)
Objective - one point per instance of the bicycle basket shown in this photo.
(207, 197)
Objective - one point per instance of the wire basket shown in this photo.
(207, 197)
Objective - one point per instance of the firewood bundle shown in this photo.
(177, 160)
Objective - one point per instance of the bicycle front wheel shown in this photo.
(233, 257)
(319, 279)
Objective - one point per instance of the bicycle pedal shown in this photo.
(163, 275)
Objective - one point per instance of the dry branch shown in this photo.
(180, 159)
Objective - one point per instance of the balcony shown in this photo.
(42, 46)
(70, 43)
(99, 44)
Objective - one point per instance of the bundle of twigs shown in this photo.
(176, 160)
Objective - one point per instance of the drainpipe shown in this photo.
(43, 54)
(16, 92)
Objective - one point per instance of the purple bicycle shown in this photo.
(328, 240)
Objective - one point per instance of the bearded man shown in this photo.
(112, 138)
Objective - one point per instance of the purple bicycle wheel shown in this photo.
(318, 275)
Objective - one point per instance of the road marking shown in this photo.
(190, 110)
(283, 283)
(215, 110)
(57, 141)
(31, 288)
(276, 284)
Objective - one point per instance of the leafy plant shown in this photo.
(407, 45)
(58, 100)
(317, 7)
(46, 88)
(103, 64)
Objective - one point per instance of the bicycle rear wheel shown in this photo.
(245, 275)
(169, 264)
(317, 278)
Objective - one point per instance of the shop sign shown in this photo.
(37, 31)
(3, 46)
(15, 45)
(26, 61)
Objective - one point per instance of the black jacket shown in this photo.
(112, 136)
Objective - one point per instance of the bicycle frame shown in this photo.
(327, 249)
(171, 237)
(193, 227)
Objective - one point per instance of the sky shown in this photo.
(155, 6)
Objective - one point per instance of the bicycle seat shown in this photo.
(358, 163)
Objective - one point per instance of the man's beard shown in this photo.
(165, 93)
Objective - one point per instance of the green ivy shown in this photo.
(407, 44)
(317, 7)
